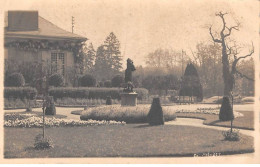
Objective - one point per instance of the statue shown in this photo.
(128, 76)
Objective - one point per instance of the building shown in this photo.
(29, 37)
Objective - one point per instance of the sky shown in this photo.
(143, 26)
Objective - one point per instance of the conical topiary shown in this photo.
(50, 108)
(155, 115)
(108, 100)
(226, 112)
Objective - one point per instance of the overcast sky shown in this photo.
(145, 25)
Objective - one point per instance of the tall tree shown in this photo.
(102, 67)
(112, 47)
(89, 57)
(229, 69)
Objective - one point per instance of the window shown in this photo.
(58, 63)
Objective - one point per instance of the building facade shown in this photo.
(30, 38)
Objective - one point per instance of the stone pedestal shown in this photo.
(129, 99)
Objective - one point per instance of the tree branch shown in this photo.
(215, 40)
(230, 30)
(244, 76)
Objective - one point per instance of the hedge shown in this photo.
(92, 92)
(19, 92)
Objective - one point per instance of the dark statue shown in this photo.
(128, 76)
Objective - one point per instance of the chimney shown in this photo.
(23, 20)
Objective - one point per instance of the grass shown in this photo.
(132, 140)
(128, 114)
(245, 122)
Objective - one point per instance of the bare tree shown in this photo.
(229, 68)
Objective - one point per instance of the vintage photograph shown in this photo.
(130, 79)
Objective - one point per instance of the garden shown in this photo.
(84, 113)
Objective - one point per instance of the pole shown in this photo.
(232, 112)
(43, 118)
(72, 24)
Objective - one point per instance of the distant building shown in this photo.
(29, 37)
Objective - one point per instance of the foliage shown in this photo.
(41, 142)
(108, 58)
(117, 81)
(87, 81)
(231, 136)
(133, 114)
(15, 80)
(161, 82)
(155, 115)
(107, 84)
(92, 92)
(190, 85)
(226, 111)
(56, 80)
(19, 92)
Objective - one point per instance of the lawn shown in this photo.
(131, 140)
(245, 122)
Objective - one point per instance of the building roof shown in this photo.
(47, 30)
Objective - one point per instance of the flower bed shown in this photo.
(128, 114)
(35, 121)
(210, 110)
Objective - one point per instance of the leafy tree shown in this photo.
(90, 57)
(88, 81)
(117, 81)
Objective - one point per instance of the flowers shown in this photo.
(214, 111)
(55, 122)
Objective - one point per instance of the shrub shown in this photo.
(128, 114)
(42, 143)
(231, 136)
(117, 81)
(56, 80)
(108, 100)
(20, 92)
(50, 108)
(226, 112)
(92, 92)
(107, 84)
(155, 115)
(87, 81)
(15, 80)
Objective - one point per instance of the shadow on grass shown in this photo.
(145, 126)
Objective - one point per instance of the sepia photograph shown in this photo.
(117, 81)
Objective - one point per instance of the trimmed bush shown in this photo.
(92, 92)
(155, 115)
(117, 81)
(226, 112)
(87, 81)
(128, 114)
(56, 80)
(107, 84)
(15, 80)
(50, 108)
(190, 85)
(20, 92)
(108, 100)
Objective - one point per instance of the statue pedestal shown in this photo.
(129, 99)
